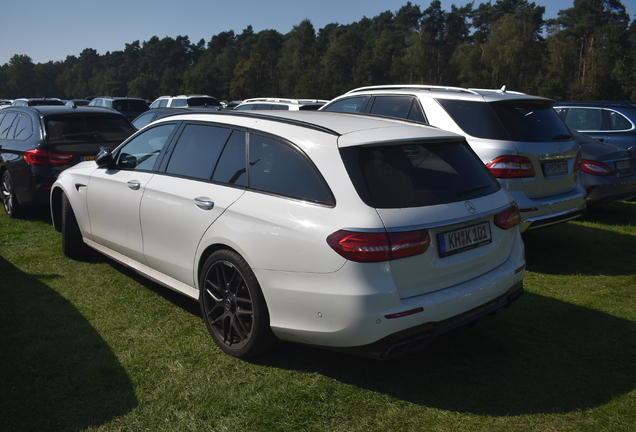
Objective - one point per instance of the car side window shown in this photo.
(618, 122)
(278, 168)
(416, 113)
(231, 168)
(197, 151)
(392, 106)
(24, 128)
(141, 152)
(6, 129)
(584, 119)
(353, 104)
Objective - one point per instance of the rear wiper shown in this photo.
(470, 189)
(82, 134)
(561, 137)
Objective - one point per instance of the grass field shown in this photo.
(93, 346)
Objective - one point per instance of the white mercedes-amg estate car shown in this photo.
(355, 233)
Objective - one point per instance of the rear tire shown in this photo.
(233, 306)
(9, 200)
(73, 245)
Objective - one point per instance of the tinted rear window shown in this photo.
(417, 174)
(516, 120)
(45, 102)
(87, 128)
(203, 101)
(531, 121)
(475, 118)
(130, 105)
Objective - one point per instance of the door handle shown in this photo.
(134, 184)
(204, 203)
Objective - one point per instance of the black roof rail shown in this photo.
(262, 116)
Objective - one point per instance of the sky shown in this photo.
(48, 30)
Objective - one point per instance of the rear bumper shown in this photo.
(617, 190)
(538, 213)
(416, 338)
(358, 309)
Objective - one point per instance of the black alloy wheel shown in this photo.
(233, 306)
(11, 205)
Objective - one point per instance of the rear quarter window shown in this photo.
(280, 169)
(417, 174)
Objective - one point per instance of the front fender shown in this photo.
(73, 183)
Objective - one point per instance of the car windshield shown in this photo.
(94, 128)
(517, 120)
(417, 174)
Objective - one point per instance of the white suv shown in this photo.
(281, 104)
(356, 233)
(519, 137)
(199, 101)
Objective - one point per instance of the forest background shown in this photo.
(587, 53)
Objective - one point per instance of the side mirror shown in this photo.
(104, 158)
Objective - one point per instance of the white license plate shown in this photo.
(555, 168)
(463, 239)
(622, 165)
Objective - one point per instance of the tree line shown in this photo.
(587, 53)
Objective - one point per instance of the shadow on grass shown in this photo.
(540, 356)
(578, 249)
(56, 372)
(613, 214)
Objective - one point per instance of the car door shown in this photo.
(114, 193)
(203, 177)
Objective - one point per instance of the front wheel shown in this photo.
(233, 306)
(11, 205)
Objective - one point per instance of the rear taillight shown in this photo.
(511, 167)
(376, 247)
(595, 168)
(508, 218)
(43, 157)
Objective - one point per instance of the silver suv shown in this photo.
(183, 101)
(519, 137)
(281, 104)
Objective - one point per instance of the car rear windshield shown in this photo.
(516, 120)
(202, 101)
(87, 128)
(130, 105)
(417, 174)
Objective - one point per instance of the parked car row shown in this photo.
(387, 217)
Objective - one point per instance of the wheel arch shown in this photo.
(206, 254)
(56, 208)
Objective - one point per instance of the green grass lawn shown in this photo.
(93, 346)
